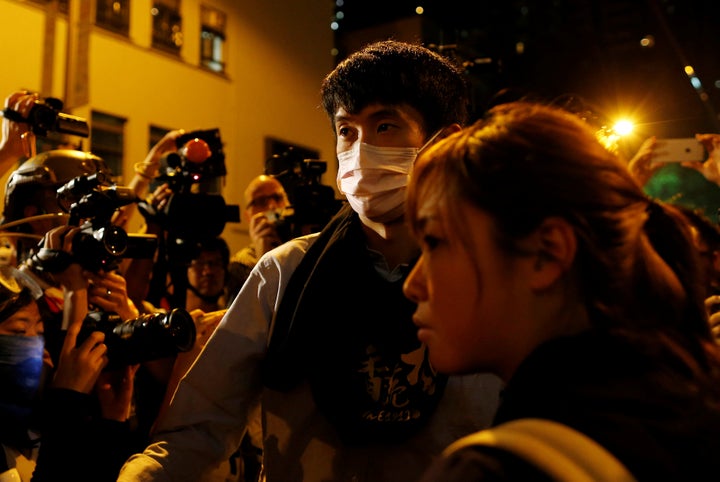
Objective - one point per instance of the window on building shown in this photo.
(212, 39)
(107, 140)
(156, 133)
(167, 26)
(113, 15)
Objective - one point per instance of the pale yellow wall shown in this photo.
(277, 54)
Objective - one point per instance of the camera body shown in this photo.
(195, 207)
(312, 203)
(45, 116)
(199, 160)
(100, 244)
(283, 220)
(149, 337)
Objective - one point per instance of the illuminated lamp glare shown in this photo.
(623, 127)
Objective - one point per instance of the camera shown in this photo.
(148, 337)
(199, 161)
(282, 220)
(100, 244)
(312, 203)
(195, 208)
(45, 116)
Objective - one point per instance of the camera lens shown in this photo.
(148, 337)
(114, 239)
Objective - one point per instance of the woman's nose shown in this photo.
(414, 287)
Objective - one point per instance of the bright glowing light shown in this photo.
(696, 82)
(339, 15)
(339, 3)
(519, 48)
(689, 70)
(419, 10)
(334, 25)
(623, 127)
(647, 41)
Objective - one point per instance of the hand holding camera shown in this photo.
(45, 116)
(17, 139)
(266, 231)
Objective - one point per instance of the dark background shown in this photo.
(588, 51)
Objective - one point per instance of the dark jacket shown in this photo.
(77, 444)
(637, 401)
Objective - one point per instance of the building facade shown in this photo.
(137, 68)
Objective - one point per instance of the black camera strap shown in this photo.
(14, 115)
(51, 260)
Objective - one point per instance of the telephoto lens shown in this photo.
(149, 337)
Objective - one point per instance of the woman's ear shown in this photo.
(555, 243)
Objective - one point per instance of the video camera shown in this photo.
(100, 244)
(45, 116)
(195, 208)
(149, 337)
(312, 203)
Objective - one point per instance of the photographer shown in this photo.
(32, 209)
(265, 197)
(84, 410)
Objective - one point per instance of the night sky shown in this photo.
(589, 51)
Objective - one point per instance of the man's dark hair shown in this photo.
(211, 245)
(393, 73)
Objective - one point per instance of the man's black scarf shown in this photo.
(349, 333)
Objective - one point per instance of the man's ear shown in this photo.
(555, 243)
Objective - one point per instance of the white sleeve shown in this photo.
(207, 416)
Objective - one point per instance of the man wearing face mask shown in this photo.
(320, 330)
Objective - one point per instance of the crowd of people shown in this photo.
(486, 281)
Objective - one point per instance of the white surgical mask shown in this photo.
(374, 178)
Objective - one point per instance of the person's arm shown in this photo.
(17, 141)
(641, 165)
(205, 324)
(710, 167)
(145, 172)
(263, 234)
(207, 417)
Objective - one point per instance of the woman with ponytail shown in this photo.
(545, 263)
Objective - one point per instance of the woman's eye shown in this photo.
(343, 131)
(384, 127)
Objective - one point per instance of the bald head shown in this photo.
(264, 193)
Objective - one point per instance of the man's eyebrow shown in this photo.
(378, 114)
